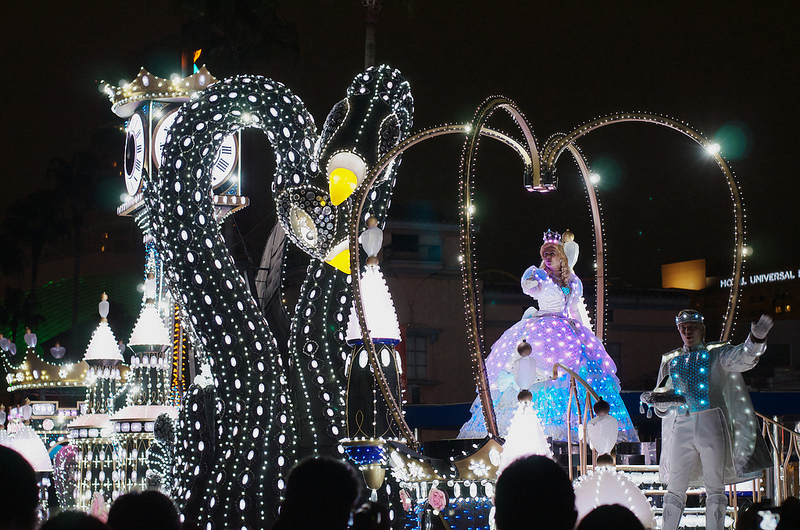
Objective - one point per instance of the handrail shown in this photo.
(779, 438)
(574, 379)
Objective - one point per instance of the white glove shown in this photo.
(760, 329)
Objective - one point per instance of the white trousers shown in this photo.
(698, 436)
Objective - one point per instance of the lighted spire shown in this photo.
(103, 346)
(150, 328)
(379, 309)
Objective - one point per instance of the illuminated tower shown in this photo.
(151, 106)
(369, 422)
(91, 432)
(148, 394)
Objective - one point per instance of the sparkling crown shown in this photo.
(146, 86)
(552, 237)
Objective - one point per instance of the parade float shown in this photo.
(223, 395)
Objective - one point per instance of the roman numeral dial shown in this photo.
(134, 154)
(224, 161)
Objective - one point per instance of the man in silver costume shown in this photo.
(709, 429)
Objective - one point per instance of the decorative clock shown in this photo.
(134, 154)
(225, 158)
(160, 136)
(225, 161)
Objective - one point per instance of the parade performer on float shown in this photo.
(558, 332)
(708, 427)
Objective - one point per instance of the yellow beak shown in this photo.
(341, 260)
(342, 183)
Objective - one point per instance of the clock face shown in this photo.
(224, 161)
(134, 154)
(160, 136)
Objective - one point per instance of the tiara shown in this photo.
(552, 237)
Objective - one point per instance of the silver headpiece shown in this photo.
(689, 315)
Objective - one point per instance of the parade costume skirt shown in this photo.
(554, 339)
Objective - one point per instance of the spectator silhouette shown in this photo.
(790, 514)
(534, 493)
(610, 516)
(371, 516)
(73, 520)
(19, 492)
(748, 518)
(321, 493)
(143, 509)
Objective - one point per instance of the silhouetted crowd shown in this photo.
(322, 493)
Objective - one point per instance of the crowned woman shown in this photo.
(558, 332)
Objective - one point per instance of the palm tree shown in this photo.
(235, 35)
(371, 19)
(34, 221)
(74, 182)
(11, 311)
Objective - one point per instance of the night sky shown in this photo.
(727, 69)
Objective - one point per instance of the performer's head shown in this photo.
(554, 259)
(602, 408)
(691, 327)
(524, 349)
(534, 492)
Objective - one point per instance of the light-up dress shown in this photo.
(558, 333)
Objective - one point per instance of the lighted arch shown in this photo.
(530, 157)
(557, 145)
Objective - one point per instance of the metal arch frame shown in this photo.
(476, 129)
(556, 146)
(533, 164)
(599, 243)
(472, 304)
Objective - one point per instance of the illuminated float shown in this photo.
(266, 398)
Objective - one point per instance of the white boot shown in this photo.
(673, 510)
(716, 506)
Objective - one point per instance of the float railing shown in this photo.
(783, 444)
(582, 413)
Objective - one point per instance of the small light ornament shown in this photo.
(58, 351)
(525, 434)
(30, 338)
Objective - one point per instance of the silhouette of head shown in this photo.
(610, 516)
(534, 493)
(19, 492)
(321, 493)
(790, 514)
(602, 407)
(74, 520)
(143, 509)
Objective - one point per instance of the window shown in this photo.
(405, 243)
(416, 357)
(614, 351)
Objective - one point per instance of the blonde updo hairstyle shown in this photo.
(566, 272)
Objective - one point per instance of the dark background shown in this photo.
(718, 66)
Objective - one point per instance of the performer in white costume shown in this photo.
(603, 429)
(559, 332)
(708, 424)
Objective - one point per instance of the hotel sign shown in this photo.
(756, 279)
